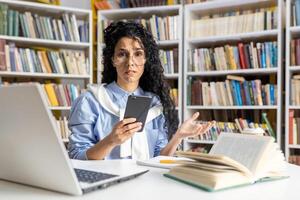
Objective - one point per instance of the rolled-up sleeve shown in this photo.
(82, 121)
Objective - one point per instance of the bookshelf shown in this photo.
(175, 79)
(292, 107)
(239, 16)
(53, 45)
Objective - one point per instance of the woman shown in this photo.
(131, 66)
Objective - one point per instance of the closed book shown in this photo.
(297, 138)
(10, 22)
(12, 56)
(16, 23)
(51, 94)
(46, 61)
(2, 55)
(297, 14)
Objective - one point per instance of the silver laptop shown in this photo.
(31, 151)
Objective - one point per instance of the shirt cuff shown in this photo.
(82, 155)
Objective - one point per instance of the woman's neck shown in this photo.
(129, 87)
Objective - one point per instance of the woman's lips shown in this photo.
(130, 72)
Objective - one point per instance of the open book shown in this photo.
(234, 160)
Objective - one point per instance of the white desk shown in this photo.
(154, 186)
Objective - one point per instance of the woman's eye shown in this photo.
(121, 54)
(139, 54)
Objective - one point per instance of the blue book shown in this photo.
(67, 36)
(247, 94)
(239, 93)
(275, 55)
(234, 93)
(254, 92)
(297, 14)
(263, 55)
(157, 27)
(272, 94)
(12, 56)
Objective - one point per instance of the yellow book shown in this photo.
(51, 94)
(170, 2)
(230, 57)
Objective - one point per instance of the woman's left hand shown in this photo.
(189, 128)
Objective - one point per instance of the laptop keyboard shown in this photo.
(91, 176)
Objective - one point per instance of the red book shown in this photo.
(67, 93)
(242, 56)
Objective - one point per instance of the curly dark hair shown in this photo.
(152, 79)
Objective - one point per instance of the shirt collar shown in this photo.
(118, 92)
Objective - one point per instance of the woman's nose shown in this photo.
(130, 61)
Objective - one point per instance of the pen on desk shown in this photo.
(167, 161)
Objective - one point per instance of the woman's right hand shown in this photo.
(124, 130)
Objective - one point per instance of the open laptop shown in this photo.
(31, 151)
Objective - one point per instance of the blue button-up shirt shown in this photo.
(89, 123)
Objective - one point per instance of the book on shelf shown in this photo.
(42, 60)
(111, 4)
(162, 28)
(52, 2)
(235, 90)
(232, 162)
(253, 55)
(294, 128)
(234, 22)
(62, 125)
(295, 6)
(61, 94)
(240, 125)
(295, 90)
(169, 60)
(33, 25)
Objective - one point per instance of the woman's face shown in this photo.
(129, 60)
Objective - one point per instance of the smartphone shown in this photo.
(138, 107)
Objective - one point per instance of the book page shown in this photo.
(245, 149)
(211, 159)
